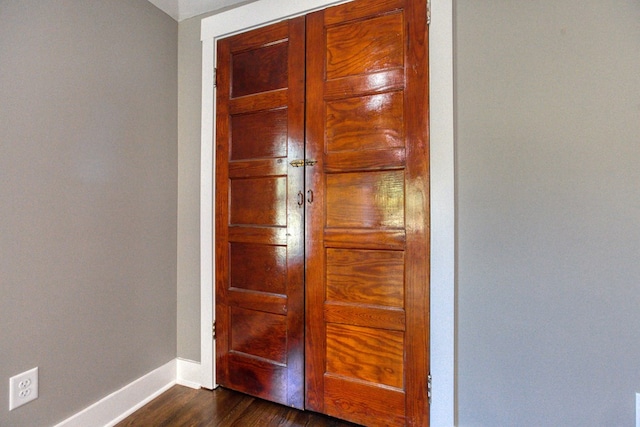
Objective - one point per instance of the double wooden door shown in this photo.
(322, 212)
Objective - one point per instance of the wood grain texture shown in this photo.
(258, 301)
(365, 277)
(367, 354)
(222, 151)
(314, 219)
(259, 334)
(257, 377)
(259, 240)
(256, 168)
(365, 403)
(295, 216)
(185, 407)
(393, 158)
(258, 201)
(259, 135)
(366, 84)
(358, 10)
(418, 214)
(258, 235)
(365, 239)
(392, 319)
(365, 123)
(254, 39)
(259, 102)
(258, 267)
(362, 83)
(375, 44)
(259, 70)
(367, 94)
(365, 200)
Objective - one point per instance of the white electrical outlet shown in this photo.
(23, 388)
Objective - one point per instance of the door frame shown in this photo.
(442, 180)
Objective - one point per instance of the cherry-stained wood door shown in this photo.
(259, 213)
(367, 238)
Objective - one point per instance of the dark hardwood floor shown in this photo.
(182, 406)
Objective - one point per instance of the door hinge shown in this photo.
(215, 77)
(428, 12)
(213, 329)
(429, 388)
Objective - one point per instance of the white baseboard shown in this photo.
(118, 405)
(189, 373)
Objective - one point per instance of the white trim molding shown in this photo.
(442, 178)
(264, 12)
(188, 373)
(120, 404)
(207, 236)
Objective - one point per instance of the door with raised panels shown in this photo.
(367, 239)
(322, 238)
(259, 218)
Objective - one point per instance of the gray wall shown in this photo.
(88, 175)
(189, 125)
(548, 212)
(189, 112)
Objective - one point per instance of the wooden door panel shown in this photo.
(266, 36)
(365, 123)
(365, 160)
(357, 10)
(365, 239)
(365, 277)
(372, 199)
(374, 82)
(259, 70)
(259, 334)
(271, 125)
(258, 377)
(359, 47)
(368, 354)
(258, 168)
(257, 267)
(363, 248)
(363, 402)
(259, 235)
(259, 225)
(258, 201)
(259, 301)
(367, 228)
(258, 102)
(364, 315)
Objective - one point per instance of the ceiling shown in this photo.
(183, 9)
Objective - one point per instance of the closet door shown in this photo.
(259, 215)
(367, 244)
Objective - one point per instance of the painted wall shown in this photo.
(548, 212)
(88, 183)
(189, 107)
(189, 126)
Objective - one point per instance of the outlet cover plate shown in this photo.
(23, 388)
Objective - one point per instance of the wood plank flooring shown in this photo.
(185, 407)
